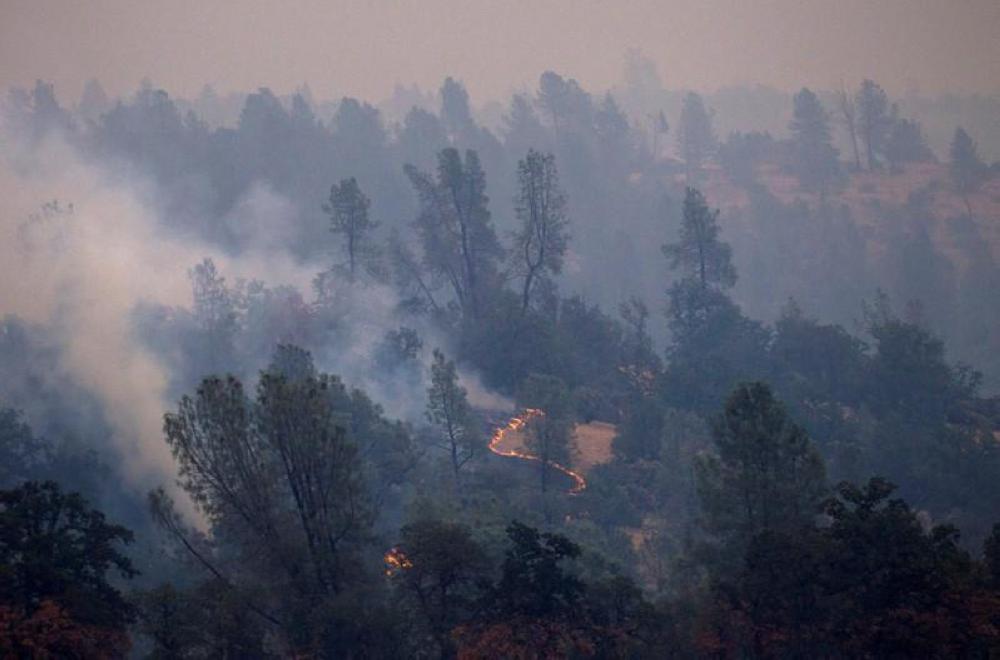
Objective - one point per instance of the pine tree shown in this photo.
(849, 119)
(874, 120)
(906, 144)
(695, 135)
(816, 163)
(699, 255)
(459, 243)
(448, 409)
(764, 476)
(967, 168)
(348, 210)
(540, 243)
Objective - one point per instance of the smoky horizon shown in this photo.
(366, 49)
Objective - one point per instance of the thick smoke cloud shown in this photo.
(83, 246)
(81, 266)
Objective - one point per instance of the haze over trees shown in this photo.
(540, 244)
(967, 168)
(873, 121)
(906, 144)
(459, 242)
(695, 135)
(348, 210)
(456, 377)
(59, 557)
(816, 159)
(448, 408)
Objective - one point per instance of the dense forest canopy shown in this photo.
(635, 372)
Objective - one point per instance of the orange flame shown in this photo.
(396, 560)
(517, 424)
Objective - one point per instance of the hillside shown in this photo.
(867, 193)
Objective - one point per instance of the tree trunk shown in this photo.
(854, 145)
(350, 253)
(870, 149)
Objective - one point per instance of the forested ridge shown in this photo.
(594, 381)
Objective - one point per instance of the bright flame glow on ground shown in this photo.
(396, 560)
(517, 424)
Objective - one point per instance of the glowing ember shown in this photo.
(517, 424)
(396, 560)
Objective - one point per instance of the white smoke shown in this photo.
(81, 268)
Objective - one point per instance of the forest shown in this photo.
(629, 373)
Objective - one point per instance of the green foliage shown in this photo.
(593, 346)
(741, 152)
(71, 466)
(540, 607)
(547, 435)
(441, 581)
(967, 169)
(885, 571)
(569, 107)
(569, 338)
(456, 116)
(641, 433)
(873, 120)
(923, 436)
(207, 620)
(533, 582)
(821, 372)
(301, 481)
(704, 265)
(22, 455)
(282, 480)
(398, 347)
(448, 409)
(906, 144)
(909, 376)
(991, 557)
(540, 242)
(637, 344)
(695, 135)
(817, 362)
(348, 209)
(816, 164)
(873, 581)
(764, 476)
(459, 244)
(54, 548)
(715, 346)
(216, 313)
(420, 137)
(699, 254)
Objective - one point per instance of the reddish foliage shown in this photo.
(522, 639)
(50, 632)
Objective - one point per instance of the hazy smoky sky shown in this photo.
(363, 48)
